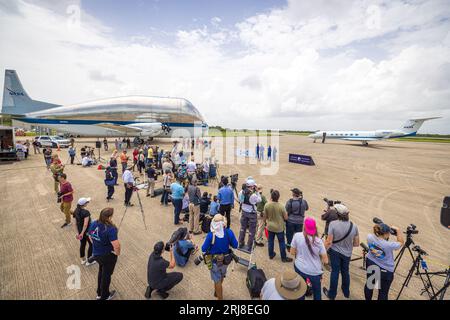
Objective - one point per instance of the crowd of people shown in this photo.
(262, 219)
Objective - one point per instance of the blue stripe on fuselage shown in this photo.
(94, 122)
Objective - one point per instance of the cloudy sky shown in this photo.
(303, 65)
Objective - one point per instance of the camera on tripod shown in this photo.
(331, 202)
(411, 229)
(419, 251)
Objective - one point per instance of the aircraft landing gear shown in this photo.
(365, 143)
(314, 140)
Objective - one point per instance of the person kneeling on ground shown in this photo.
(86, 161)
(216, 251)
(285, 286)
(183, 249)
(157, 276)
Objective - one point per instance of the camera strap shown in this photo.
(346, 235)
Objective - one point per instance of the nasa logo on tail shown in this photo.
(14, 93)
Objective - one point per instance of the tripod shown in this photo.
(441, 292)
(365, 250)
(141, 208)
(406, 246)
(418, 263)
(75, 158)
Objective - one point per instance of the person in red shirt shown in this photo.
(135, 157)
(66, 196)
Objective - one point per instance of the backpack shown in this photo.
(300, 208)
(206, 223)
(255, 281)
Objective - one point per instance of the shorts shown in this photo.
(218, 273)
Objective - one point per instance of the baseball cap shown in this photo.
(310, 226)
(83, 201)
(341, 209)
(385, 228)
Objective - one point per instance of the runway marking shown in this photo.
(438, 176)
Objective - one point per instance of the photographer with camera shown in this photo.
(152, 176)
(83, 220)
(194, 207)
(217, 254)
(248, 198)
(65, 196)
(72, 153)
(157, 276)
(106, 250)
(183, 248)
(259, 239)
(342, 237)
(330, 214)
(295, 208)
(275, 217)
(226, 200)
(128, 182)
(381, 254)
(57, 169)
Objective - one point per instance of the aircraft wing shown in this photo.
(120, 128)
(361, 139)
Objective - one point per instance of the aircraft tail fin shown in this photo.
(413, 125)
(16, 100)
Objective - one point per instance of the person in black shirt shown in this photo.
(157, 276)
(109, 182)
(152, 176)
(83, 220)
(205, 201)
(113, 166)
(329, 215)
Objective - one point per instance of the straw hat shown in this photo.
(290, 285)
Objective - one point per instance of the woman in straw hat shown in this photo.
(286, 286)
(215, 249)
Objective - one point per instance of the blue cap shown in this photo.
(385, 228)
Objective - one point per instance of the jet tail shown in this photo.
(413, 125)
(16, 100)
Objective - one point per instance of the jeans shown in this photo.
(248, 221)
(177, 205)
(339, 264)
(386, 278)
(83, 242)
(291, 229)
(106, 265)
(165, 197)
(71, 159)
(271, 244)
(110, 192)
(315, 283)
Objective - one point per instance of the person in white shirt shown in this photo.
(285, 286)
(86, 161)
(310, 253)
(128, 182)
(191, 166)
(206, 171)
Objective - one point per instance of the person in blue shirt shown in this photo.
(226, 200)
(177, 191)
(106, 249)
(214, 207)
(183, 249)
(216, 245)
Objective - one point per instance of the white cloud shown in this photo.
(309, 65)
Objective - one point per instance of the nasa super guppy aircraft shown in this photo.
(114, 117)
(409, 129)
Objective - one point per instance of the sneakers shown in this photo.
(66, 224)
(287, 259)
(271, 257)
(83, 261)
(111, 295)
(87, 263)
(326, 293)
(259, 244)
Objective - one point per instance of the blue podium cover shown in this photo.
(301, 159)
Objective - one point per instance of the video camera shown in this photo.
(419, 250)
(379, 221)
(331, 202)
(179, 234)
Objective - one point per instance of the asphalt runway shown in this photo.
(399, 182)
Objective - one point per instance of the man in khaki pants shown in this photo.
(66, 196)
(56, 168)
(194, 207)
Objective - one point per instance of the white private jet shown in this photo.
(409, 129)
